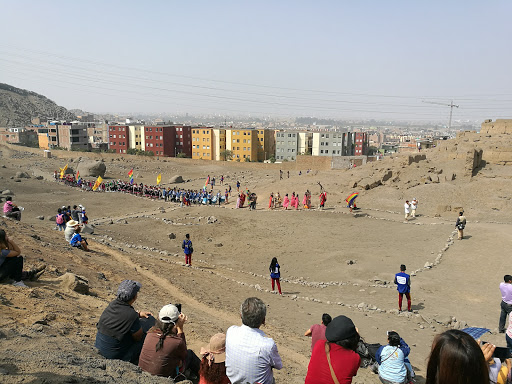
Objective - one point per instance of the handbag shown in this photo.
(328, 353)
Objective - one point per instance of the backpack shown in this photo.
(60, 219)
(367, 352)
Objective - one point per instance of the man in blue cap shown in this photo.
(120, 332)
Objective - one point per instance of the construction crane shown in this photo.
(451, 105)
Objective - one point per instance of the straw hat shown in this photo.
(215, 351)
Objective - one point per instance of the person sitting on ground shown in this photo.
(78, 241)
(250, 354)
(456, 358)
(213, 367)
(317, 331)
(392, 360)
(335, 360)
(121, 329)
(11, 263)
(164, 352)
(11, 210)
(71, 226)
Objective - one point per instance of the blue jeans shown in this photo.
(509, 342)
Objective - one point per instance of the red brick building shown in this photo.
(160, 139)
(118, 138)
(184, 140)
(360, 143)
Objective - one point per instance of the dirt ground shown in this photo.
(331, 261)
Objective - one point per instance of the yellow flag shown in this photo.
(97, 183)
(158, 178)
(62, 170)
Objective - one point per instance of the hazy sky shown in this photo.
(341, 59)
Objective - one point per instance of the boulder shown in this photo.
(176, 179)
(172, 236)
(75, 283)
(92, 168)
(22, 175)
(7, 192)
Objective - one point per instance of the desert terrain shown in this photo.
(332, 261)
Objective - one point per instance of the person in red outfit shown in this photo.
(338, 352)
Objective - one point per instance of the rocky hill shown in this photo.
(19, 106)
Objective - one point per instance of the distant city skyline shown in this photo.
(327, 59)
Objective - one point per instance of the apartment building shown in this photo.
(208, 143)
(183, 140)
(287, 145)
(159, 139)
(73, 136)
(119, 138)
(266, 144)
(330, 143)
(135, 136)
(243, 143)
(18, 136)
(360, 143)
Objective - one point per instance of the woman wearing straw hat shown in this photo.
(213, 364)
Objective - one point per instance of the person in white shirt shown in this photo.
(414, 206)
(250, 354)
(407, 208)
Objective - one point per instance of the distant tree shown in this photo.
(247, 159)
(181, 155)
(272, 159)
(227, 155)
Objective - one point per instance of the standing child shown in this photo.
(403, 282)
(59, 220)
(188, 250)
(275, 274)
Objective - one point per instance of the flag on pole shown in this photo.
(97, 183)
(62, 170)
(158, 179)
(78, 180)
(206, 183)
(130, 175)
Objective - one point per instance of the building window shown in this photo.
(321, 151)
(326, 151)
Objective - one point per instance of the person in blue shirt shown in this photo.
(78, 241)
(403, 282)
(188, 250)
(394, 366)
(275, 274)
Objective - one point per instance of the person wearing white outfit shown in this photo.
(407, 209)
(414, 206)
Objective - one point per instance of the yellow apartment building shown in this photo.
(135, 139)
(208, 143)
(243, 144)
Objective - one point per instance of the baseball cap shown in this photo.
(169, 314)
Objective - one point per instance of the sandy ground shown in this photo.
(232, 256)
